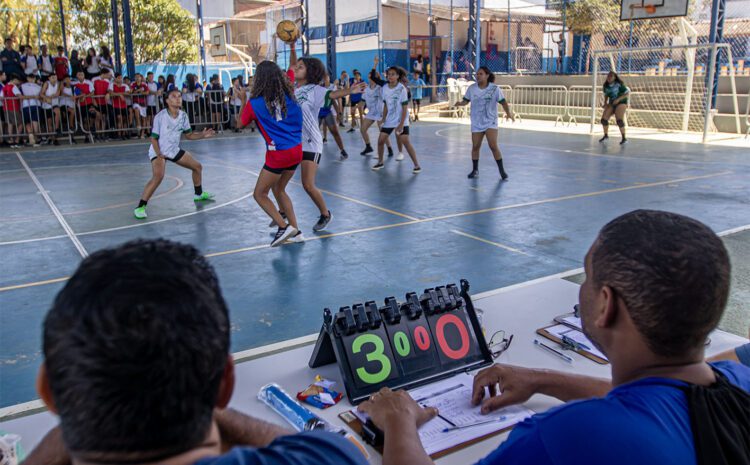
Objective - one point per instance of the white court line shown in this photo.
(68, 230)
(734, 230)
(496, 244)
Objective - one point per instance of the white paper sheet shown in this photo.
(562, 330)
(452, 397)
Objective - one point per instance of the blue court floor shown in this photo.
(392, 231)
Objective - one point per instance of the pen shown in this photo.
(495, 420)
(553, 351)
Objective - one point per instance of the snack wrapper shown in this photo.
(320, 393)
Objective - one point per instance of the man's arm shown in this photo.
(51, 450)
(238, 429)
(518, 384)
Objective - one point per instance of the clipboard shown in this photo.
(354, 423)
(544, 333)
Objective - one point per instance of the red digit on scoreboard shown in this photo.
(422, 338)
(451, 319)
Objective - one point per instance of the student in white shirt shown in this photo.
(396, 117)
(235, 102)
(151, 99)
(169, 126)
(192, 91)
(484, 96)
(105, 59)
(92, 64)
(311, 96)
(51, 106)
(67, 106)
(31, 107)
(46, 64)
(372, 98)
(29, 62)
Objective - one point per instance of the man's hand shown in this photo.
(507, 385)
(387, 408)
(207, 133)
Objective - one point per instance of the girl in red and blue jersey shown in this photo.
(277, 114)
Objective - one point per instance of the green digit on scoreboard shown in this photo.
(377, 355)
(401, 342)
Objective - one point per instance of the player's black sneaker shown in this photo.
(473, 174)
(623, 141)
(323, 222)
(603, 139)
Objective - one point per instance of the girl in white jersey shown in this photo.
(308, 73)
(484, 97)
(396, 117)
(51, 91)
(170, 125)
(373, 100)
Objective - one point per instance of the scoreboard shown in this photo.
(402, 345)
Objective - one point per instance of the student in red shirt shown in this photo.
(106, 118)
(116, 92)
(12, 94)
(83, 89)
(60, 63)
(139, 90)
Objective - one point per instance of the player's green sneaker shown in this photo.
(140, 213)
(204, 196)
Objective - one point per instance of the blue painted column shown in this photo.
(128, 30)
(116, 35)
(564, 36)
(305, 27)
(62, 27)
(331, 38)
(473, 47)
(716, 35)
(199, 12)
(478, 39)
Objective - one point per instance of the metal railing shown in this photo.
(126, 116)
(579, 104)
(540, 101)
(36, 119)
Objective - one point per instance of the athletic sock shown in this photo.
(500, 165)
(198, 190)
(142, 203)
(475, 165)
(390, 151)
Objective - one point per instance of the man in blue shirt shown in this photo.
(656, 285)
(137, 366)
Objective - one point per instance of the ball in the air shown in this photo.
(287, 31)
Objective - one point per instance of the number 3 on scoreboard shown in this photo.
(377, 355)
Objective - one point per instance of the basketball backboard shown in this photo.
(218, 41)
(650, 9)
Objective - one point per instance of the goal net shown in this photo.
(670, 87)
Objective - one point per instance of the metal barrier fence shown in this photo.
(579, 104)
(540, 101)
(35, 119)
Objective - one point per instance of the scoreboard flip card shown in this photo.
(402, 345)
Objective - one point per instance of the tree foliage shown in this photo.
(162, 29)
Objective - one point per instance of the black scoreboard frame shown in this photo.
(427, 308)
